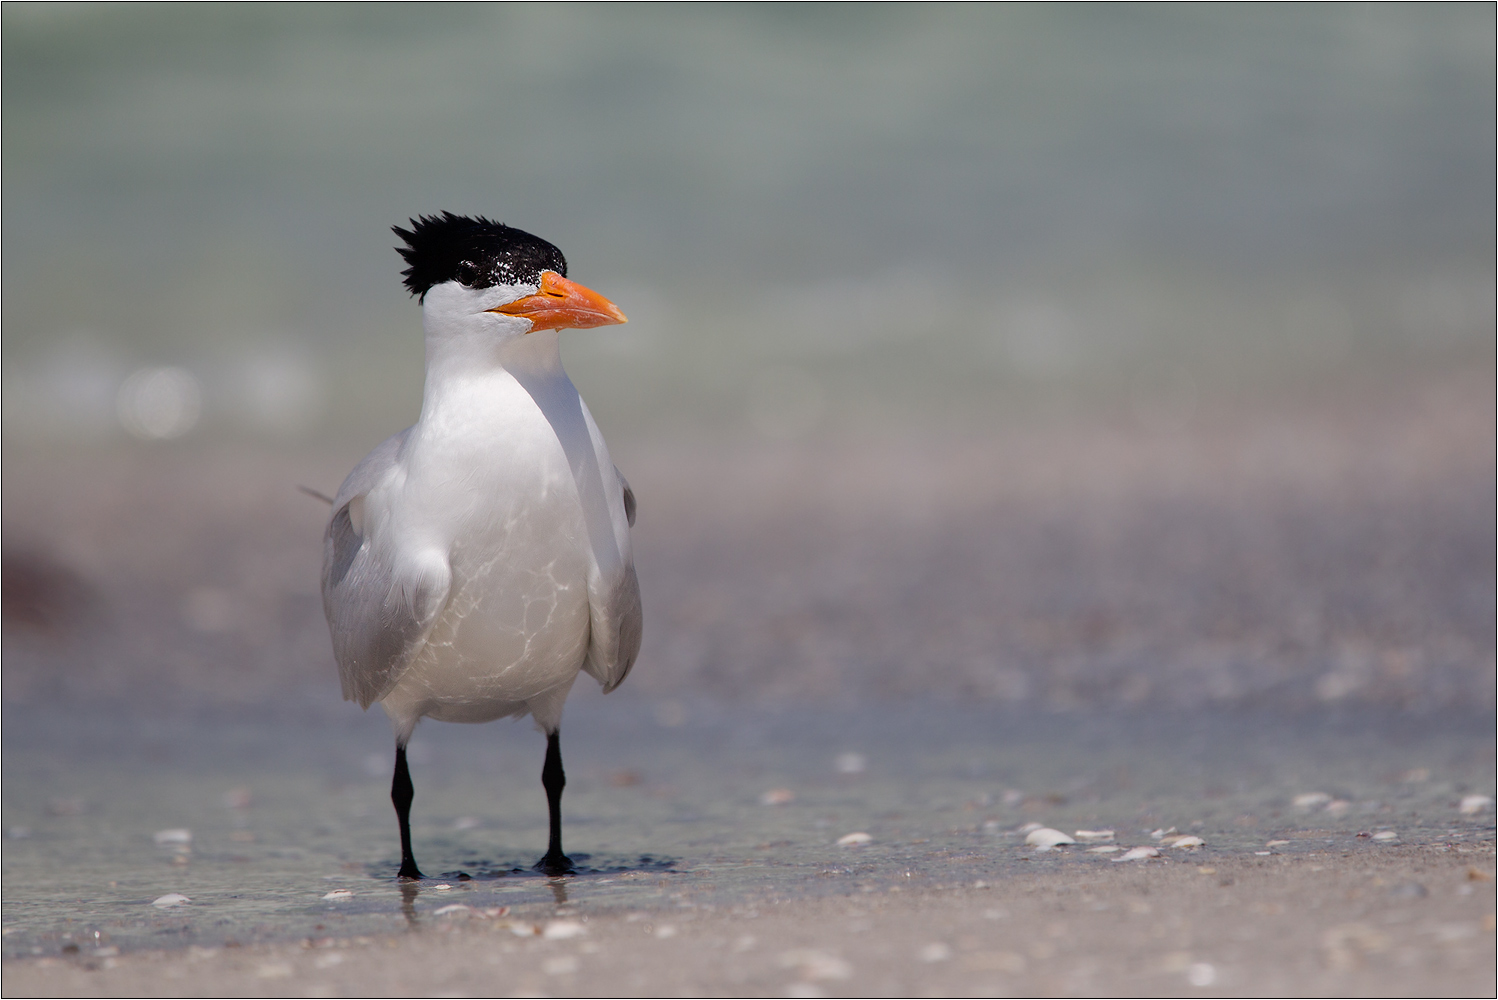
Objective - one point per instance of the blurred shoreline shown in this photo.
(1336, 547)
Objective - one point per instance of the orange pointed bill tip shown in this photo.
(563, 305)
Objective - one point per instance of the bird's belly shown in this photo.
(516, 626)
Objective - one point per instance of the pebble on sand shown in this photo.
(1277, 843)
(1162, 834)
(1104, 849)
(169, 900)
(338, 895)
(1471, 805)
(858, 839)
(1386, 835)
(1311, 800)
(172, 837)
(1046, 837)
(1138, 854)
(1095, 836)
(777, 797)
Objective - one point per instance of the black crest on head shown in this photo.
(476, 252)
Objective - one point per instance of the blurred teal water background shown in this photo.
(821, 220)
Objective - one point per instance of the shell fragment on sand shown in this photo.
(1046, 837)
(858, 839)
(1095, 836)
(169, 900)
(1189, 841)
(1138, 854)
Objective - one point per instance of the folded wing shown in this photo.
(380, 602)
(616, 613)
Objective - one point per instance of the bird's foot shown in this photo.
(556, 864)
(410, 871)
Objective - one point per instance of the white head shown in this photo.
(484, 285)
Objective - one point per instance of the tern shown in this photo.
(475, 562)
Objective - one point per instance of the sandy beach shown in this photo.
(1414, 921)
(1271, 635)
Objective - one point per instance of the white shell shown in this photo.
(859, 839)
(1094, 836)
(170, 899)
(1138, 854)
(338, 895)
(1471, 805)
(1188, 841)
(561, 930)
(178, 835)
(1046, 837)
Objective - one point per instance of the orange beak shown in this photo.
(563, 305)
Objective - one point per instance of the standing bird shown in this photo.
(476, 561)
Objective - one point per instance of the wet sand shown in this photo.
(1337, 854)
(1316, 925)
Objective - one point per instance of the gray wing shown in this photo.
(618, 623)
(378, 620)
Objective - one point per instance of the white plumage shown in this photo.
(477, 561)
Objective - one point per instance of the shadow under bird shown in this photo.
(478, 560)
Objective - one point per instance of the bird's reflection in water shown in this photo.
(410, 889)
(558, 890)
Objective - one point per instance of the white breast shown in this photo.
(488, 480)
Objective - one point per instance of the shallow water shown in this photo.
(665, 807)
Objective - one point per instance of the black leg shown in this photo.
(553, 779)
(401, 794)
